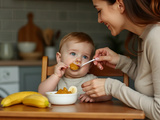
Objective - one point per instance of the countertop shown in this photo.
(24, 62)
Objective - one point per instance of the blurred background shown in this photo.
(64, 15)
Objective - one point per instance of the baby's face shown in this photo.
(78, 53)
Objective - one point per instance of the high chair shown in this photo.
(48, 70)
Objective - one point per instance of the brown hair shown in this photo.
(140, 12)
(78, 37)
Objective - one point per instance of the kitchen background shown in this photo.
(64, 15)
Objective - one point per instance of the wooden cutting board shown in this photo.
(31, 32)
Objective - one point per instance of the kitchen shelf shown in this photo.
(24, 62)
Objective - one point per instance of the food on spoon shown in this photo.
(74, 66)
(73, 89)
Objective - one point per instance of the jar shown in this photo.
(50, 51)
(6, 51)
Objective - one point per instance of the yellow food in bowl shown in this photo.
(71, 90)
(64, 91)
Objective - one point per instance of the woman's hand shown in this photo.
(95, 87)
(106, 57)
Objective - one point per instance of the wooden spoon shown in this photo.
(48, 36)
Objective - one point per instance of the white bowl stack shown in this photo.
(26, 47)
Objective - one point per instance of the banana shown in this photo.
(73, 89)
(16, 98)
(36, 100)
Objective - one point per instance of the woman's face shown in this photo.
(111, 15)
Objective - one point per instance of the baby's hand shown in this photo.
(86, 98)
(60, 69)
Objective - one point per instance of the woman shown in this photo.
(141, 18)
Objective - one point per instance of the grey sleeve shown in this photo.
(127, 66)
(133, 98)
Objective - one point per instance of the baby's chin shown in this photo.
(74, 75)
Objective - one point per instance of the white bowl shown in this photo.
(26, 47)
(61, 99)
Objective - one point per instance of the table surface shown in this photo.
(102, 110)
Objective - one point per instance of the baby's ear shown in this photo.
(58, 57)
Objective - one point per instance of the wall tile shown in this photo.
(13, 4)
(64, 15)
(5, 14)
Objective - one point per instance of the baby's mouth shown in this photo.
(74, 66)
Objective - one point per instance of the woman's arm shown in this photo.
(127, 66)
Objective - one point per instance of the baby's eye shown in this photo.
(85, 57)
(73, 53)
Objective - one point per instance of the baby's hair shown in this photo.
(78, 37)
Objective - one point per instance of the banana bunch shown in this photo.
(16, 98)
(36, 100)
(20, 97)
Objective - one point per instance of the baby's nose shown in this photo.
(78, 60)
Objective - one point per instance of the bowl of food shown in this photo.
(26, 47)
(62, 97)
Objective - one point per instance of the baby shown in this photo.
(77, 48)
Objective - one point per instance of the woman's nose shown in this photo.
(99, 19)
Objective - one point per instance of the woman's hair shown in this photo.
(78, 37)
(140, 12)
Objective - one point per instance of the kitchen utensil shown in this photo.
(48, 36)
(56, 37)
(6, 51)
(88, 62)
(31, 32)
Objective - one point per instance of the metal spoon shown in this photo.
(88, 62)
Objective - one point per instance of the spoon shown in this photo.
(75, 67)
(88, 62)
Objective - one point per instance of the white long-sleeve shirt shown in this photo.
(146, 74)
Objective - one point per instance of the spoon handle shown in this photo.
(88, 62)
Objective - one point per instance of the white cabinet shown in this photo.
(9, 80)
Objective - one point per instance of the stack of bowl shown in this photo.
(27, 51)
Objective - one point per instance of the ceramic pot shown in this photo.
(6, 51)
(50, 51)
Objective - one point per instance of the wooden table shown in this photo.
(78, 111)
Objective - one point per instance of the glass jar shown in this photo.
(6, 51)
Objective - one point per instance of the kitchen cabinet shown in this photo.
(29, 73)
(30, 78)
